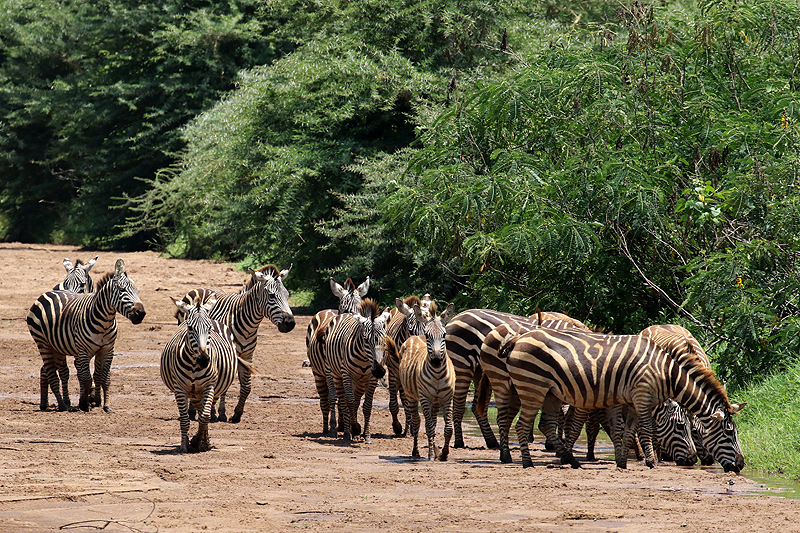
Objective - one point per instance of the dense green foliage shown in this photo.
(629, 165)
(769, 427)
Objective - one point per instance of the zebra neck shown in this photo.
(695, 394)
(101, 306)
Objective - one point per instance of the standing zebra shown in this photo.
(591, 370)
(428, 377)
(263, 296)
(78, 279)
(83, 326)
(403, 324)
(354, 348)
(678, 339)
(198, 365)
(350, 297)
(495, 375)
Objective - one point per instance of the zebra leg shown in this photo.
(332, 399)
(244, 392)
(105, 379)
(429, 412)
(347, 410)
(526, 418)
(183, 414)
(645, 419)
(394, 408)
(482, 419)
(85, 379)
(403, 399)
(200, 442)
(592, 430)
(323, 391)
(413, 410)
(63, 373)
(369, 392)
(551, 414)
(504, 419)
(463, 380)
(573, 424)
(447, 415)
(628, 436)
(221, 416)
(44, 388)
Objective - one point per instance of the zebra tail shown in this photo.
(392, 353)
(483, 393)
(248, 366)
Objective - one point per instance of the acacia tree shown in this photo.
(644, 179)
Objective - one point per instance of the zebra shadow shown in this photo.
(321, 438)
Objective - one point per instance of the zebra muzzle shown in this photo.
(138, 314)
(378, 371)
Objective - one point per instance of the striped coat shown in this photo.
(403, 324)
(590, 370)
(83, 326)
(350, 298)
(78, 279)
(263, 296)
(354, 346)
(428, 378)
(198, 365)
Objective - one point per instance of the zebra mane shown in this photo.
(368, 308)
(102, 281)
(411, 300)
(78, 262)
(704, 376)
(269, 270)
(349, 285)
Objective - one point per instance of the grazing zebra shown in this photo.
(83, 326)
(198, 365)
(263, 296)
(679, 339)
(350, 297)
(496, 378)
(78, 279)
(428, 378)
(590, 370)
(354, 346)
(403, 324)
(672, 430)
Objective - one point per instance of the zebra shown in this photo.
(78, 279)
(350, 297)
(678, 338)
(428, 378)
(403, 324)
(263, 295)
(672, 430)
(591, 370)
(495, 376)
(198, 365)
(354, 346)
(82, 326)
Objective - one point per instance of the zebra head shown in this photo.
(274, 296)
(124, 295)
(414, 326)
(77, 279)
(673, 431)
(722, 438)
(435, 332)
(198, 328)
(373, 331)
(349, 296)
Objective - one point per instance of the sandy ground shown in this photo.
(275, 471)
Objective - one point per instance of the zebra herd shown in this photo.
(653, 392)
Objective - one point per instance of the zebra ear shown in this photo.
(180, 304)
(738, 406)
(364, 288)
(260, 276)
(718, 415)
(119, 267)
(88, 266)
(418, 313)
(402, 307)
(363, 320)
(67, 264)
(447, 314)
(210, 303)
(337, 289)
(285, 272)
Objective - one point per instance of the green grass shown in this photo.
(769, 427)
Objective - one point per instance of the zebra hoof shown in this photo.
(458, 443)
(83, 406)
(397, 428)
(236, 418)
(220, 418)
(108, 409)
(527, 464)
(355, 429)
(549, 446)
(505, 456)
(443, 456)
(492, 444)
(590, 457)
